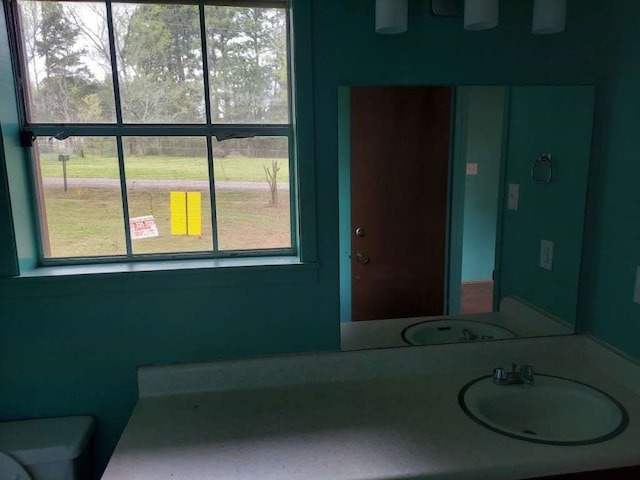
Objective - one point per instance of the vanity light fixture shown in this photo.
(549, 16)
(481, 14)
(391, 16)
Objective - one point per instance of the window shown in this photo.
(158, 129)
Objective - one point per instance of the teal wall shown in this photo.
(559, 121)
(72, 344)
(484, 133)
(344, 189)
(612, 251)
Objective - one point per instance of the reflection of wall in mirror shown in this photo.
(478, 141)
(556, 120)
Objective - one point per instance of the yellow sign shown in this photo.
(186, 213)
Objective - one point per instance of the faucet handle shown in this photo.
(526, 373)
(499, 375)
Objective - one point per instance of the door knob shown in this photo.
(360, 232)
(362, 258)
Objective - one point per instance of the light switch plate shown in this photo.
(636, 291)
(546, 254)
(514, 195)
(472, 168)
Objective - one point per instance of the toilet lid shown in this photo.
(12, 470)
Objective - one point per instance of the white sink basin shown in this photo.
(553, 410)
(432, 332)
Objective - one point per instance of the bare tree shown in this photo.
(272, 180)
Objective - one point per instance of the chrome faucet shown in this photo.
(523, 376)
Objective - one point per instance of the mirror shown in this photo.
(461, 205)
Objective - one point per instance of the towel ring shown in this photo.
(540, 164)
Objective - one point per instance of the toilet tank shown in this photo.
(50, 448)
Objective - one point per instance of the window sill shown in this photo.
(161, 275)
(162, 266)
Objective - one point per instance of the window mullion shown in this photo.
(205, 62)
(212, 195)
(118, 105)
(125, 200)
(207, 105)
(114, 62)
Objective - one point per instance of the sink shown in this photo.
(431, 332)
(553, 410)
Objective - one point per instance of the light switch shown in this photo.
(472, 168)
(546, 254)
(514, 195)
(636, 291)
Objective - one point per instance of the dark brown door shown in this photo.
(399, 165)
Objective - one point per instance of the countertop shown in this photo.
(379, 414)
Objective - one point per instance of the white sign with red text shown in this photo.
(143, 227)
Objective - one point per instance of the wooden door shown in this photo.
(399, 166)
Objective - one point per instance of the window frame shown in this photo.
(209, 130)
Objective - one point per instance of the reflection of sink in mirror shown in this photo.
(551, 410)
(474, 244)
(515, 317)
(453, 330)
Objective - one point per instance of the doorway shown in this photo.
(478, 159)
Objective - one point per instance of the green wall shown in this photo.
(344, 189)
(72, 344)
(612, 251)
(483, 146)
(559, 121)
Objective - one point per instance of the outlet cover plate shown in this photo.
(546, 254)
(514, 196)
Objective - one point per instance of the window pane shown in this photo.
(253, 204)
(68, 62)
(159, 63)
(80, 196)
(168, 194)
(247, 56)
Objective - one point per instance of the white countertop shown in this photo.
(380, 414)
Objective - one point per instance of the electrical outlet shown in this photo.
(546, 254)
(514, 194)
(636, 291)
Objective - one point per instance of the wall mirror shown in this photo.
(461, 211)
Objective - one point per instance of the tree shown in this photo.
(247, 64)
(272, 179)
(30, 23)
(221, 31)
(160, 64)
(67, 79)
(160, 51)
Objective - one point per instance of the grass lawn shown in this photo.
(88, 222)
(179, 168)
